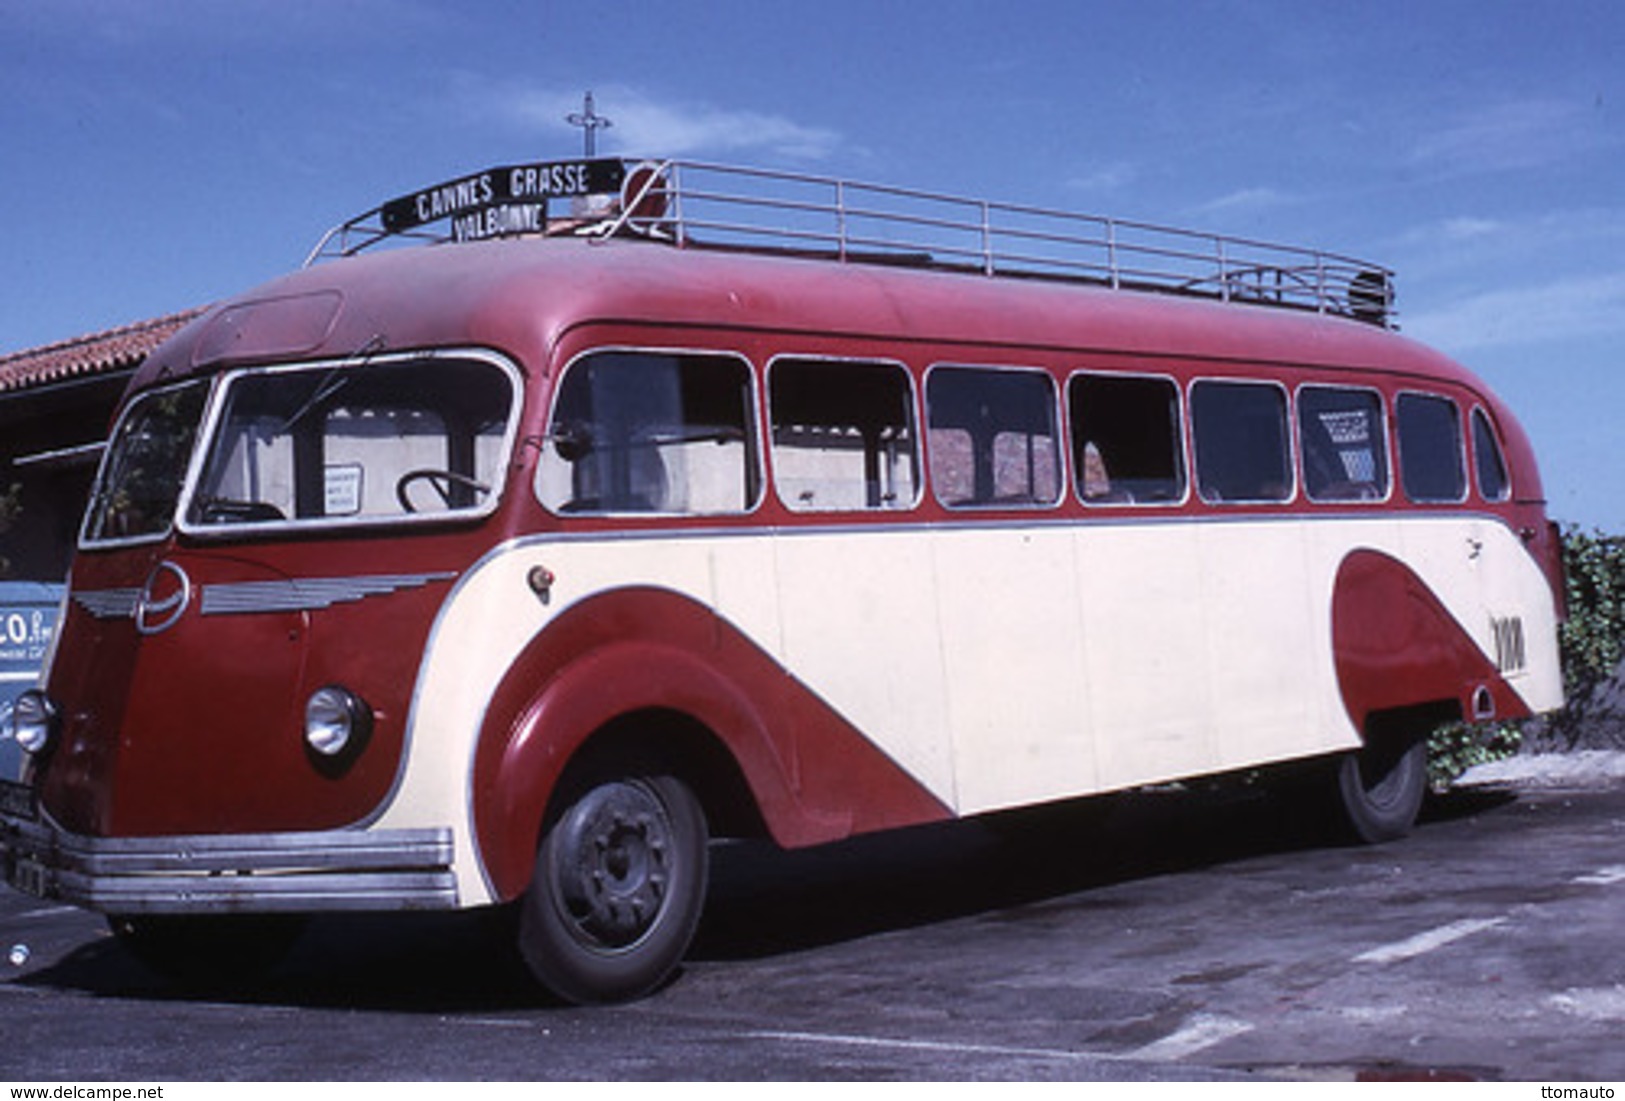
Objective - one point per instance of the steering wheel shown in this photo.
(441, 480)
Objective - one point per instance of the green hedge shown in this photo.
(1590, 644)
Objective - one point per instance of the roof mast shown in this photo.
(590, 122)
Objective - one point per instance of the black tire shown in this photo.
(618, 888)
(208, 949)
(1380, 789)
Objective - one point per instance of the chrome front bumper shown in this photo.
(241, 873)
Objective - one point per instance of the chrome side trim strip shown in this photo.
(109, 603)
(307, 594)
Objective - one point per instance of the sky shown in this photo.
(163, 154)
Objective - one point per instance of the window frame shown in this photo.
(756, 457)
(1481, 415)
(215, 414)
(1058, 436)
(1289, 435)
(1181, 436)
(1385, 433)
(210, 385)
(1462, 456)
(770, 450)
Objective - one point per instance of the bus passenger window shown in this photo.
(1493, 483)
(843, 435)
(1126, 439)
(1430, 463)
(1345, 456)
(650, 432)
(1243, 453)
(992, 437)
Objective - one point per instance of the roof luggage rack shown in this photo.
(697, 205)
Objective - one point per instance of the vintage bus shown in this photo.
(559, 519)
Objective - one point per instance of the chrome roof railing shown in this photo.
(700, 205)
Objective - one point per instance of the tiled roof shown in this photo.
(91, 354)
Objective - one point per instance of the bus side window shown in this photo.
(1243, 452)
(1430, 461)
(843, 435)
(991, 437)
(1493, 483)
(1345, 457)
(1126, 439)
(650, 432)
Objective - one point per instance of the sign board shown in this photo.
(28, 612)
(502, 197)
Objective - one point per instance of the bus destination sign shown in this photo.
(503, 199)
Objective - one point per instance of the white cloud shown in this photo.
(1583, 306)
(1107, 178)
(1245, 200)
(646, 126)
(1515, 134)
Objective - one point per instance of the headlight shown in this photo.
(336, 719)
(33, 721)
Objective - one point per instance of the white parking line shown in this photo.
(1426, 942)
(945, 1047)
(1203, 1031)
(1603, 877)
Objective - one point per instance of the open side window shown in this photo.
(993, 441)
(843, 435)
(1126, 437)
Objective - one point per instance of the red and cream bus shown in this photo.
(646, 504)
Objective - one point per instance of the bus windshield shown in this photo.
(145, 467)
(381, 441)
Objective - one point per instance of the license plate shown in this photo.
(17, 801)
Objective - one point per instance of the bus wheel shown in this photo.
(618, 889)
(209, 949)
(1381, 789)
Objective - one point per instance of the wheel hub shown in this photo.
(614, 864)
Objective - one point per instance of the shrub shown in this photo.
(1590, 644)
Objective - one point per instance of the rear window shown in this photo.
(1430, 453)
(1488, 460)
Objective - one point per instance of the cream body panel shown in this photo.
(998, 666)
(1012, 647)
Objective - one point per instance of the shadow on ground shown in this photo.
(765, 901)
